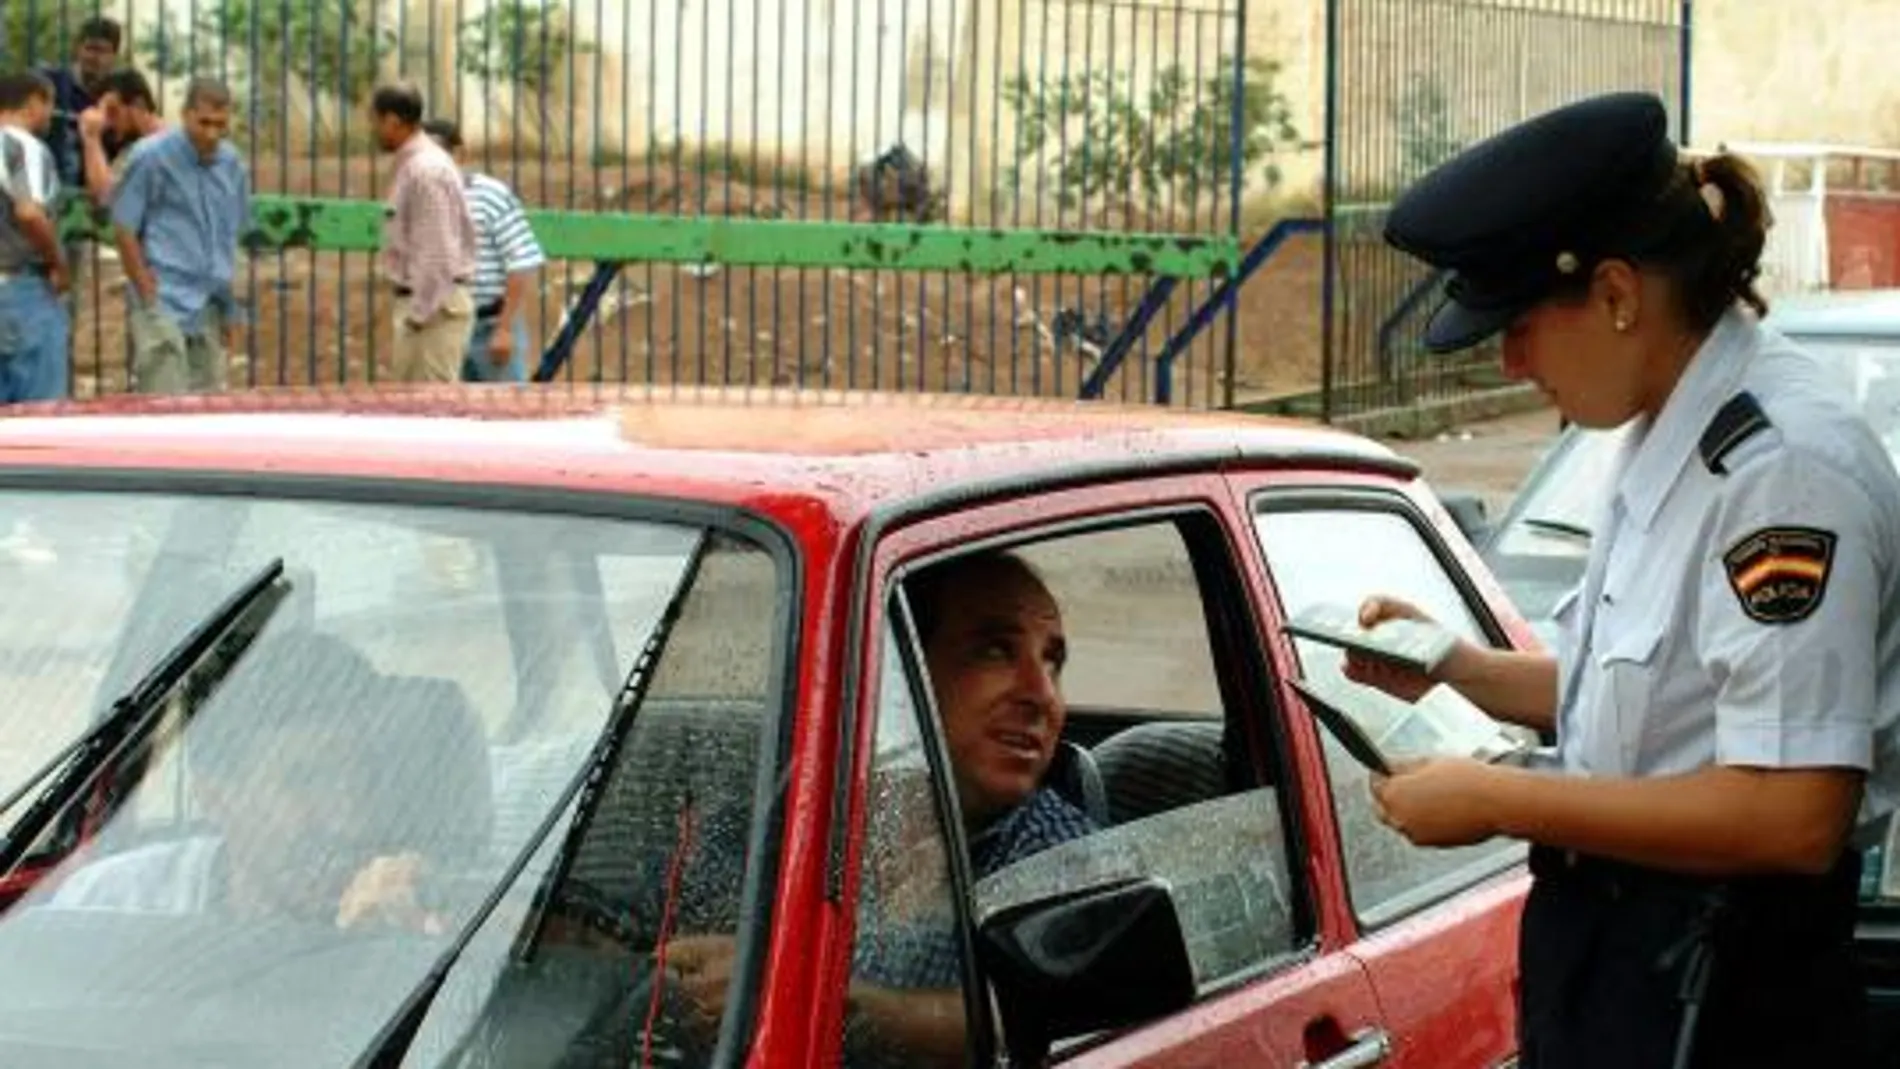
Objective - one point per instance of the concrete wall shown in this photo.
(1775, 70)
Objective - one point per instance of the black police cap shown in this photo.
(1517, 214)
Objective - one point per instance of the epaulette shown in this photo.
(1734, 423)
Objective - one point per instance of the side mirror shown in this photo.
(1469, 513)
(1106, 957)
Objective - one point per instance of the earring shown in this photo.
(1622, 324)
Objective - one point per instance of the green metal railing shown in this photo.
(333, 225)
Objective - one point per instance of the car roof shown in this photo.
(854, 451)
(1836, 312)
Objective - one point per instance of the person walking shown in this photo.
(429, 243)
(507, 256)
(180, 209)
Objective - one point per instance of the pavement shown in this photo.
(1489, 457)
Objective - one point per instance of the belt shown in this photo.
(1781, 901)
(489, 310)
(401, 290)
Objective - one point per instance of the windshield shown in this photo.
(300, 837)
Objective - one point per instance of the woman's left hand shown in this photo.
(1439, 801)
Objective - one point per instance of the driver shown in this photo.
(303, 764)
(994, 644)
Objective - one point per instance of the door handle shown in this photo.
(1370, 1046)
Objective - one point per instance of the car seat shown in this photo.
(1161, 765)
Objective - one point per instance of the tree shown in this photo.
(1173, 147)
(1425, 134)
(326, 48)
(38, 34)
(522, 44)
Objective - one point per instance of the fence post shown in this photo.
(1688, 55)
(1329, 194)
(1237, 136)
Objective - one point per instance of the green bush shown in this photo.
(1171, 147)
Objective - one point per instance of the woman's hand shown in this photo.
(1400, 682)
(1438, 801)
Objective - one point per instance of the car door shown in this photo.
(1149, 584)
(1421, 915)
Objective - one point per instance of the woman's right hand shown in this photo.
(1402, 683)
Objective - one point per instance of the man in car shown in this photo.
(302, 764)
(994, 645)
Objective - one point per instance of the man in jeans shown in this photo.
(506, 259)
(180, 208)
(428, 243)
(34, 327)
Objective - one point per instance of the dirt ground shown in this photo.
(326, 318)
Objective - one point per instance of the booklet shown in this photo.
(1412, 644)
(1378, 729)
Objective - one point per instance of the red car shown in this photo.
(545, 729)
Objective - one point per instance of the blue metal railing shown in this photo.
(1201, 319)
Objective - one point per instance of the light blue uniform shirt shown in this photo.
(1749, 617)
(189, 212)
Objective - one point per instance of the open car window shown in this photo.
(279, 865)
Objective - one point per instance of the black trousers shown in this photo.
(1607, 955)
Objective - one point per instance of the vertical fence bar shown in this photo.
(1686, 36)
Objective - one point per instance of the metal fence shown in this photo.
(895, 194)
(1411, 82)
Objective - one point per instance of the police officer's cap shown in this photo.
(1515, 216)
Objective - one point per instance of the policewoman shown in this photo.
(1726, 687)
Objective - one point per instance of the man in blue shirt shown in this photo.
(180, 209)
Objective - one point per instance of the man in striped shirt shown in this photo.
(507, 255)
(33, 319)
(428, 243)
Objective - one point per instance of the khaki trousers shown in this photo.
(433, 353)
(165, 359)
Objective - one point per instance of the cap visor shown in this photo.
(1454, 327)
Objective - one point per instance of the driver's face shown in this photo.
(996, 667)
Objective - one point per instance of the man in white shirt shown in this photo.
(34, 327)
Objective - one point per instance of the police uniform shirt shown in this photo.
(1740, 602)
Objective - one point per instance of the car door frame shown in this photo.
(1403, 949)
(1317, 1000)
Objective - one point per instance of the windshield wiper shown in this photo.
(133, 714)
(392, 1043)
(1563, 528)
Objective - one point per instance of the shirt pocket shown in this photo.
(1628, 655)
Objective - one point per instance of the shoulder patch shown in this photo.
(1780, 573)
(1734, 423)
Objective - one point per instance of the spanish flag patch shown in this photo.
(1780, 573)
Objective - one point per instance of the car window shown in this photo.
(360, 758)
(1339, 555)
(1137, 640)
(1178, 796)
(907, 960)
